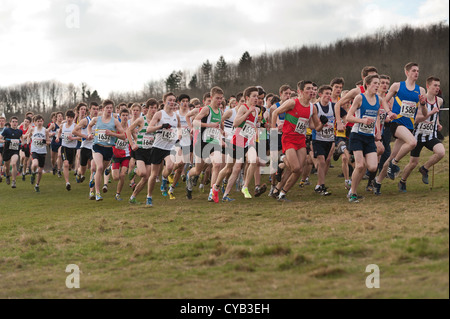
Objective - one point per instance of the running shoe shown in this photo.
(260, 190)
(13, 185)
(163, 187)
(59, 174)
(188, 193)
(149, 202)
(92, 182)
(82, 178)
(210, 196)
(282, 198)
(272, 188)
(171, 177)
(20, 169)
(424, 173)
(108, 170)
(201, 187)
(402, 187)
(105, 188)
(54, 170)
(393, 170)
(302, 184)
(376, 188)
(77, 178)
(33, 178)
(8, 180)
(183, 178)
(307, 182)
(98, 197)
(325, 191)
(134, 201)
(23, 177)
(224, 185)
(36, 189)
(215, 195)
(68, 187)
(227, 199)
(369, 187)
(353, 198)
(171, 194)
(91, 195)
(246, 192)
(118, 198)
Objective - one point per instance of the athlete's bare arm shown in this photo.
(351, 95)
(286, 106)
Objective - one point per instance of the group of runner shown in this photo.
(227, 143)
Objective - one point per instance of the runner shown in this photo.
(56, 147)
(121, 156)
(11, 138)
(426, 134)
(80, 130)
(142, 147)
(208, 142)
(80, 114)
(365, 112)
(25, 149)
(2, 127)
(300, 114)
(135, 110)
(183, 151)
(408, 96)
(68, 144)
(40, 138)
(323, 141)
(167, 127)
(107, 130)
(242, 145)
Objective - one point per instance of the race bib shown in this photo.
(212, 133)
(38, 142)
(122, 145)
(328, 131)
(408, 109)
(302, 125)
(147, 141)
(425, 128)
(383, 116)
(367, 128)
(66, 138)
(102, 137)
(168, 135)
(247, 131)
(14, 145)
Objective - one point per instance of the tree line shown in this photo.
(388, 50)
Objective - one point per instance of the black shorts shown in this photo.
(55, 146)
(107, 152)
(8, 154)
(206, 149)
(341, 139)
(158, 155)
(26, 150)
(394, 126)
(133, 154)
(428, 144)
(78, 145)
(85, 156)
(68, 154)
(144, 155)
(1, 152)
(322, 148)
(359, 142)
(308, 143)
(280, 145)
(348, 131)
(40, 158)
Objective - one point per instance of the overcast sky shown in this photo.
(120, 45)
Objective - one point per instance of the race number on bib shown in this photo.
(122, 145)
(425, 128)
(186, 132)
(247, 131)
(147, 141)
(408, 109)
(328, 131)
(301, 126)
(168, 135)
(212, 133)
(14, 145)
(38, 142)
(102, 137)
(367, 128)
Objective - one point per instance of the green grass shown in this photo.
(314, 247)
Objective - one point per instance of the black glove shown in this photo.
(323, 119)
(166, 126)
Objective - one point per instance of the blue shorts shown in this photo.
(55, 146)
(359, 142)
(107, 152)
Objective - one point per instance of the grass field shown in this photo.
(314, 247)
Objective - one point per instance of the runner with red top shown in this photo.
(242, 144)
(121, 156)
(300, 114)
